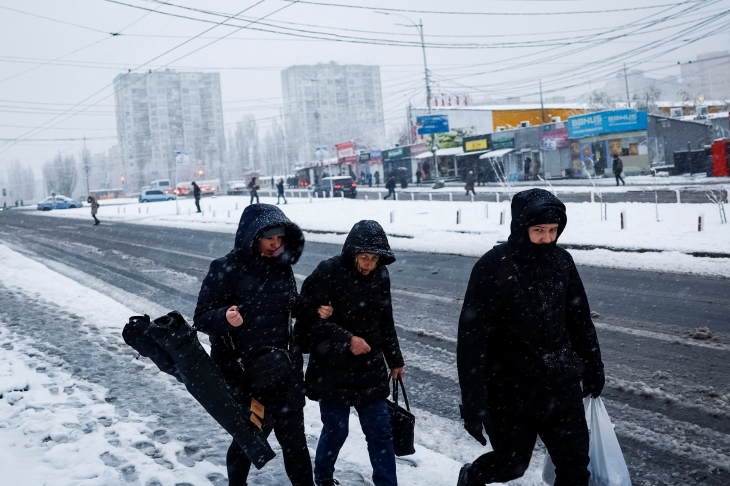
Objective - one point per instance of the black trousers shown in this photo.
(197, 203)
(289, 430)
(513, 433)
(391, 192)
(619, 178)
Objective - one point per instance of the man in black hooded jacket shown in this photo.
(350, 350)
(245, 305)
(525, 343)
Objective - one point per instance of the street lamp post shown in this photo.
(437, 183)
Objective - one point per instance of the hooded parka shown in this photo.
(362, 307)
(264, 290)
(528, 341)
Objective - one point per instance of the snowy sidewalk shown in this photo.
(58, 428)
(432, 227)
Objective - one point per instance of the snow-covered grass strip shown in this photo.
(431, 227)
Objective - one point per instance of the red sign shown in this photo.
(345, 149)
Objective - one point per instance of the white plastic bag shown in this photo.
(607, 466)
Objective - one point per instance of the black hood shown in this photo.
(368, 236)
(529, 208)
(259, 217)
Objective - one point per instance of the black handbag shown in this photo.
(403, 423)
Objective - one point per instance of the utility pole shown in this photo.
(86, 167)
(542, 106)
(425, 67)
(626, 81)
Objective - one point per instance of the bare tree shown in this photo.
(60, 174)
(647, 99)
(600, 100)
(21, 180)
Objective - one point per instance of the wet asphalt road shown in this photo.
(664, 390)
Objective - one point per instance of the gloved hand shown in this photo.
(593, 382)
(474, 428)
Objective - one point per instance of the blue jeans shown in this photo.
(375, 423)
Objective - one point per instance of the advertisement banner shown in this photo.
(345, 149)
(397, 153)
(364, 157)
(502, 143)
(555, 136)
(606, 122)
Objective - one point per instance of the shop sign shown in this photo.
(606, 122)
(364, 157)
(345, 149)
(397, 153)
(375, 154)
(502, 143)
(476, 143)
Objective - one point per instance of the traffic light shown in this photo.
(5, 192)
(201, 172)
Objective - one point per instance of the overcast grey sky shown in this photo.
(58, 58)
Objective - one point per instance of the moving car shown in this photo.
(237, 189)
(151, 195)
(58, 202)
(336, 186)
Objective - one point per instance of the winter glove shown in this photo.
(593, 382)
(474, 428)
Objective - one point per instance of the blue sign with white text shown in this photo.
(606, 122)
(430, 124)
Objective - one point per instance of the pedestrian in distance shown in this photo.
(528, 168)
(272, 182)
(280, 191)
(349, 351)
(618, 169)
(94, 208)
(418, 178)
(536, 169)
(245, 306)
(377, 179)
(525, 343)
(481, 176)
(253, 189)
(390, 186)
(470, 183)
(196, 195)
(370, 179)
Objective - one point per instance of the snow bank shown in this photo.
(431, 227)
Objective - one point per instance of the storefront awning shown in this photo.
(424, 155)
(475, 152)
(496, 153)
(450, 151)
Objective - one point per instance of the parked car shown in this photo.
(58, 202)
(336, 186)
(152, 195)
(237, 189)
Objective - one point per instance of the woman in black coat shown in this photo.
(245, 304)
(350, 350)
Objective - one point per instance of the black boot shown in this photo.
(328, 482)
(464, 476)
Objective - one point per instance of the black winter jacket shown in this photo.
(618, 166)
(528, 342)
(362, 308)
(263, 288)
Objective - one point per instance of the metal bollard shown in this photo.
(486, 211)
(458, 216)
(472, 197)
(392, 216)
(497, 194)
(503, 217)
(679, 200)
(593, 194)
(701, 222)
(188, 211)
(413, 197)
(430, 196)
(451, 197)
(396, 196)
(380, 196)
(236, 206)
(623, 219)
(366, 197)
